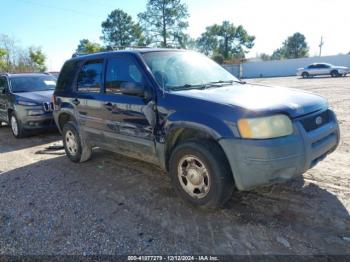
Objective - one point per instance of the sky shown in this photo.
(57, 26)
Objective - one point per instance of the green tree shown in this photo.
(265, 57)
(87, 47)
(207, 43)
(120, 30)
(3, 54)
(278, 54)
(226, 39)
(295, 47)
(218, 59)
(37, 58)
(165, 22)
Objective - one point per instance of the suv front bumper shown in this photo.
(33, 122)
(261, 162)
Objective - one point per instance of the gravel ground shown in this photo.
(116, 205)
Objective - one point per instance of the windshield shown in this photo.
(178, 70)
(20, 84)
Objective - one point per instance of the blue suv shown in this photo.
(180, 110)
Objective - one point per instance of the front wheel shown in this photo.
(334, 73)
(305, 75)
(16, 127)
(76, 148)
(200, 174)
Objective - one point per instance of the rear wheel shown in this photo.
(76, 148)
(16, 127)
(305, 74)
(200, 174)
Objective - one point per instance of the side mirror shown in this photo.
(4, 91)
(132, 88)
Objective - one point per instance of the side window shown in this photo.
(3, 84)
(121, 71)
(90, 77)
(67, 75)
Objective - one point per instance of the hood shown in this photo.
(38, 96)
(340, 67)
(262, 99)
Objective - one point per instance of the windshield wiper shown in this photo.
(221, 83)
(186, 87)
(227, 82)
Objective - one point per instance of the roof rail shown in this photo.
(111, 49)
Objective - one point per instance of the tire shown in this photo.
(216, 183)
(305, 75)
(16, 126)
(76, 148)
(334, 73)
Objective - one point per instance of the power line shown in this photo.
(98, 3)
(58, 8)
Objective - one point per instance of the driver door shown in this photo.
(129, 120)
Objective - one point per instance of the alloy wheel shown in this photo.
(14, 125)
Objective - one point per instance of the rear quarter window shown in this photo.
(67, 75)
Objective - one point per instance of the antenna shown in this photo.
(321, 45)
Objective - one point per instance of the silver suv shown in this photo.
(323, 69)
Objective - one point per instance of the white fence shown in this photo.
(283, 67)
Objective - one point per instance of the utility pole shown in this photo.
(321, 45)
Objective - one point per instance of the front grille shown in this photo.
(48, 106)
(316, 121)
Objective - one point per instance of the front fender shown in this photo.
(216, 127)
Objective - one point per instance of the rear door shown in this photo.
(4, 93)
(87, 97)
(129, 120)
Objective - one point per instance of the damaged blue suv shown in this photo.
(183, 112)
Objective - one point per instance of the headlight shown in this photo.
(26, 103)
(265, 127)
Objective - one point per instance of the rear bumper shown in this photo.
(261, 162)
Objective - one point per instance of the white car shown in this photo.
(323, 69)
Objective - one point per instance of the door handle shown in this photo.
(76, 101)
(108, 104)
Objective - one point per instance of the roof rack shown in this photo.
(113, 48)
